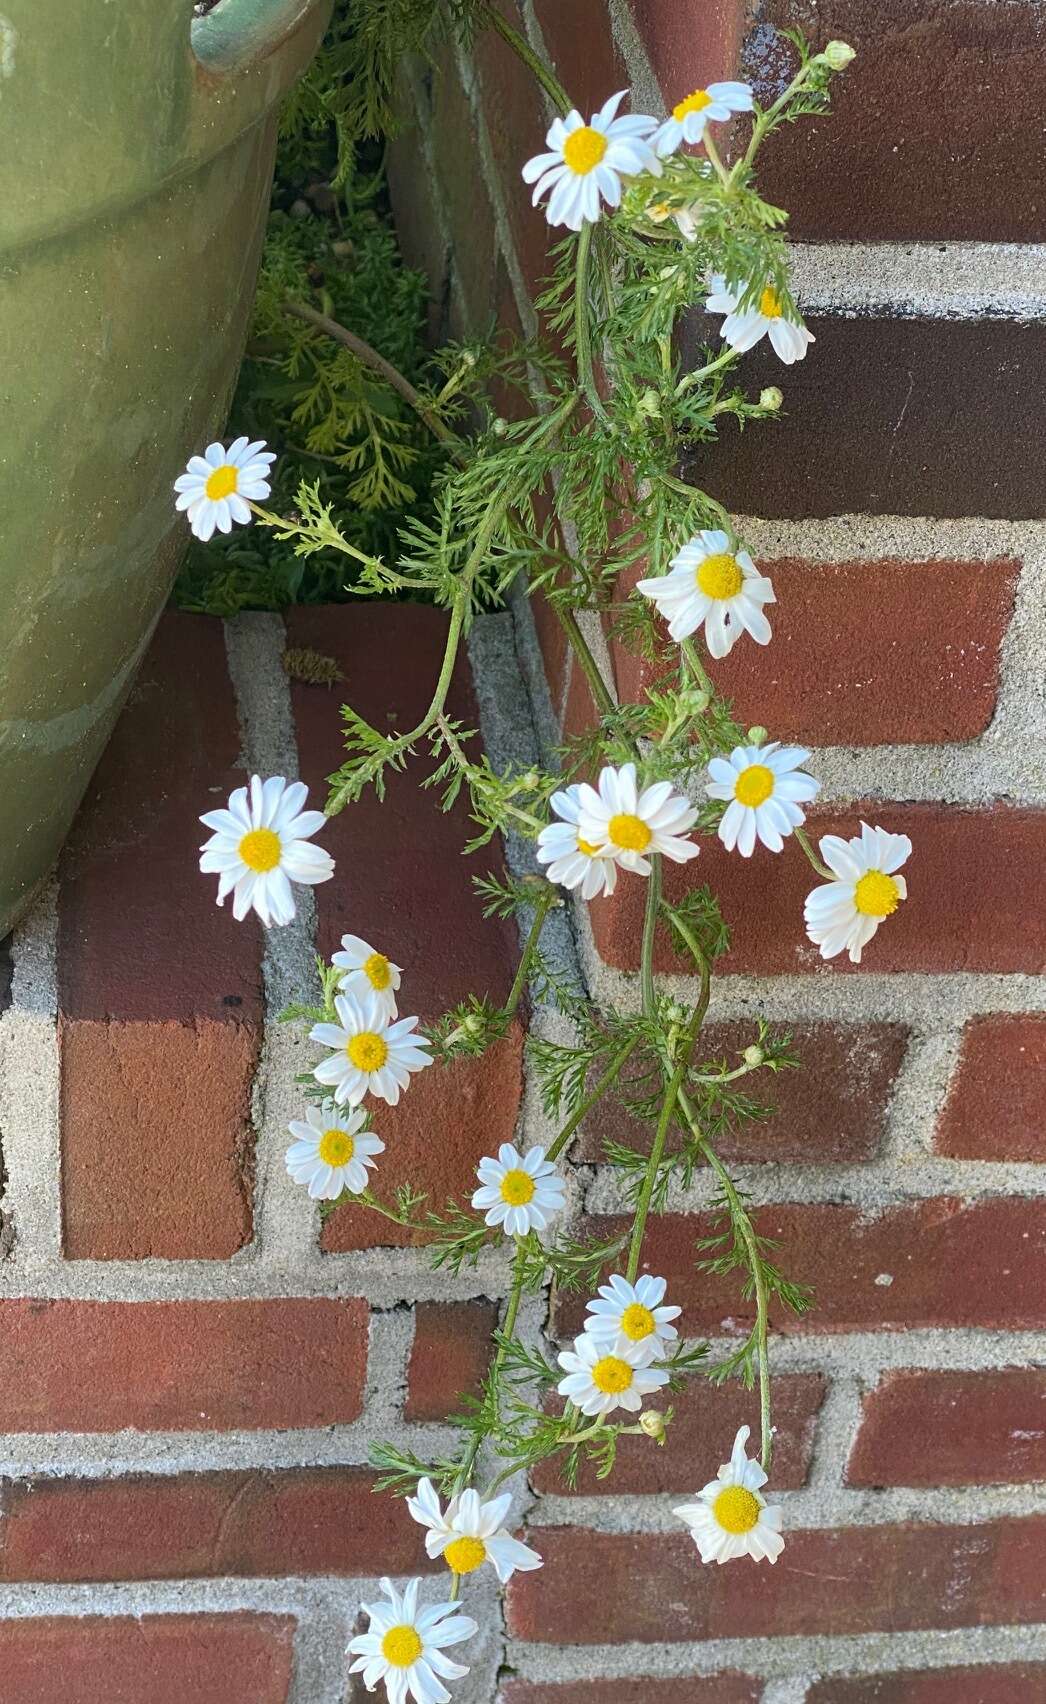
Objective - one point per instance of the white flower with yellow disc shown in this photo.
(712, 582)
(713, 105)
(845, 914)
(766, 789)
(219, 487)
(730, 1518)
(764, 316)
(585, 163)
(261, 844)
(404, 1646)
(600, 1379)
(470, 1532)
(370, 1054)
(332, 1151)
(630, 826)
(367, 971)
(624, 1314)
(518, 1191)
(572, 861)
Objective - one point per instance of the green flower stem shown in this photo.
(690, 379)
(523, 50)
(547, 898)
(712, 153)
(580, 647)
(609, 1076)
(583, 326)
(476, 779)
(762, 124)
(817, 863)
(697, 667)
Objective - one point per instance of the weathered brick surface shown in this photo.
(930, 1428)
(729, 1688)
(516, 125)
(180, 1366)
(5, 973)
(995, 1106)
(582, 50)
(689, 47)
(235, 1658)
(611, 1588)
(1012, 1683)
(159, 990)
(448, 1358)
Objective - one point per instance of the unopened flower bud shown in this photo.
(653, 1425)
(530, 780)
(675, 1013)
(473, 1024)
(500, 427)
(754, 1056)
(837, 55)
(649, 403)
(771, 398)
(756, 736)
(467, 357)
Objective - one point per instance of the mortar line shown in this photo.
(30, 1098)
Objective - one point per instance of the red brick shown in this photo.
(951, 1263)
(832, 1109)
(728, 1688)
(158, 988)
(612, 1588)
(463, 192)
(1016, 1683)
(204, 1525)
(704, 1413)
(969, 878)
(580, 44)
(180, 1366)
(516, 125)
(944, 1428)
(994, 1109)
(237, 1658)
(690, 47)
(449, 1356)
(926, 669)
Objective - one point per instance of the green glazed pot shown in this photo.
(136, 152)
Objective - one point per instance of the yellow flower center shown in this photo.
(754, 785)
(719, 576)
(693, 103)
(517, 1188)
(583, 149)
(611, 1375)
(260, 849)
(401, 1646)
(336, 1147)
(629, 832)
(587, 848)
(222, 482)
(367, 1051)
(876, 895)
(637, 1322)
(376, 970)
(736, 1509)
(465, 1555)
(770, 304)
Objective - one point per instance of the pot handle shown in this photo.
(237, 33)
(246, 55)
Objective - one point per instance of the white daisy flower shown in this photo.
(625, 823)
(626, 1314)
(586, 162)
(368, 971)
(261, 844)
(332, 1151)
(600, 1379)
(847, 912)
(218, 487)
(519, 1191)
(730, 1518)
(371, 1055)
(766, 788)
(404, 1646)
(471, 1532)
(713, 105)
(743, 327)
(713, 583)
(572, 861)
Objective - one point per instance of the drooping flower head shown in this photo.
(572, 861)
(625, 1314)
(730, 1518)
(470, 1532)
(585, 163)
(261, 844)
(600, 1378)
(712, 582)
(371, 1055)
(218, 487)
(689, 116)
(743, 327)
(404, 1646)
(630, 825)
(519, 1191)
(332, 1151)
(766, 788)
(845, 914)
(368, 971)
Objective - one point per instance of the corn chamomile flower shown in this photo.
(624, 823)
(625, 1314)
(730, 1518)
(766, 788)
(743, 327)
(371, 1055)
(586, 162)
(847, 912)
(332, 1151)
(261, 844)
(404, 1646)
(218, 487)
(713, 105)
(368, 971)
(470, 1532)
(601, 1378)
(713, 583)
(519, 1191)
(572, 861)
